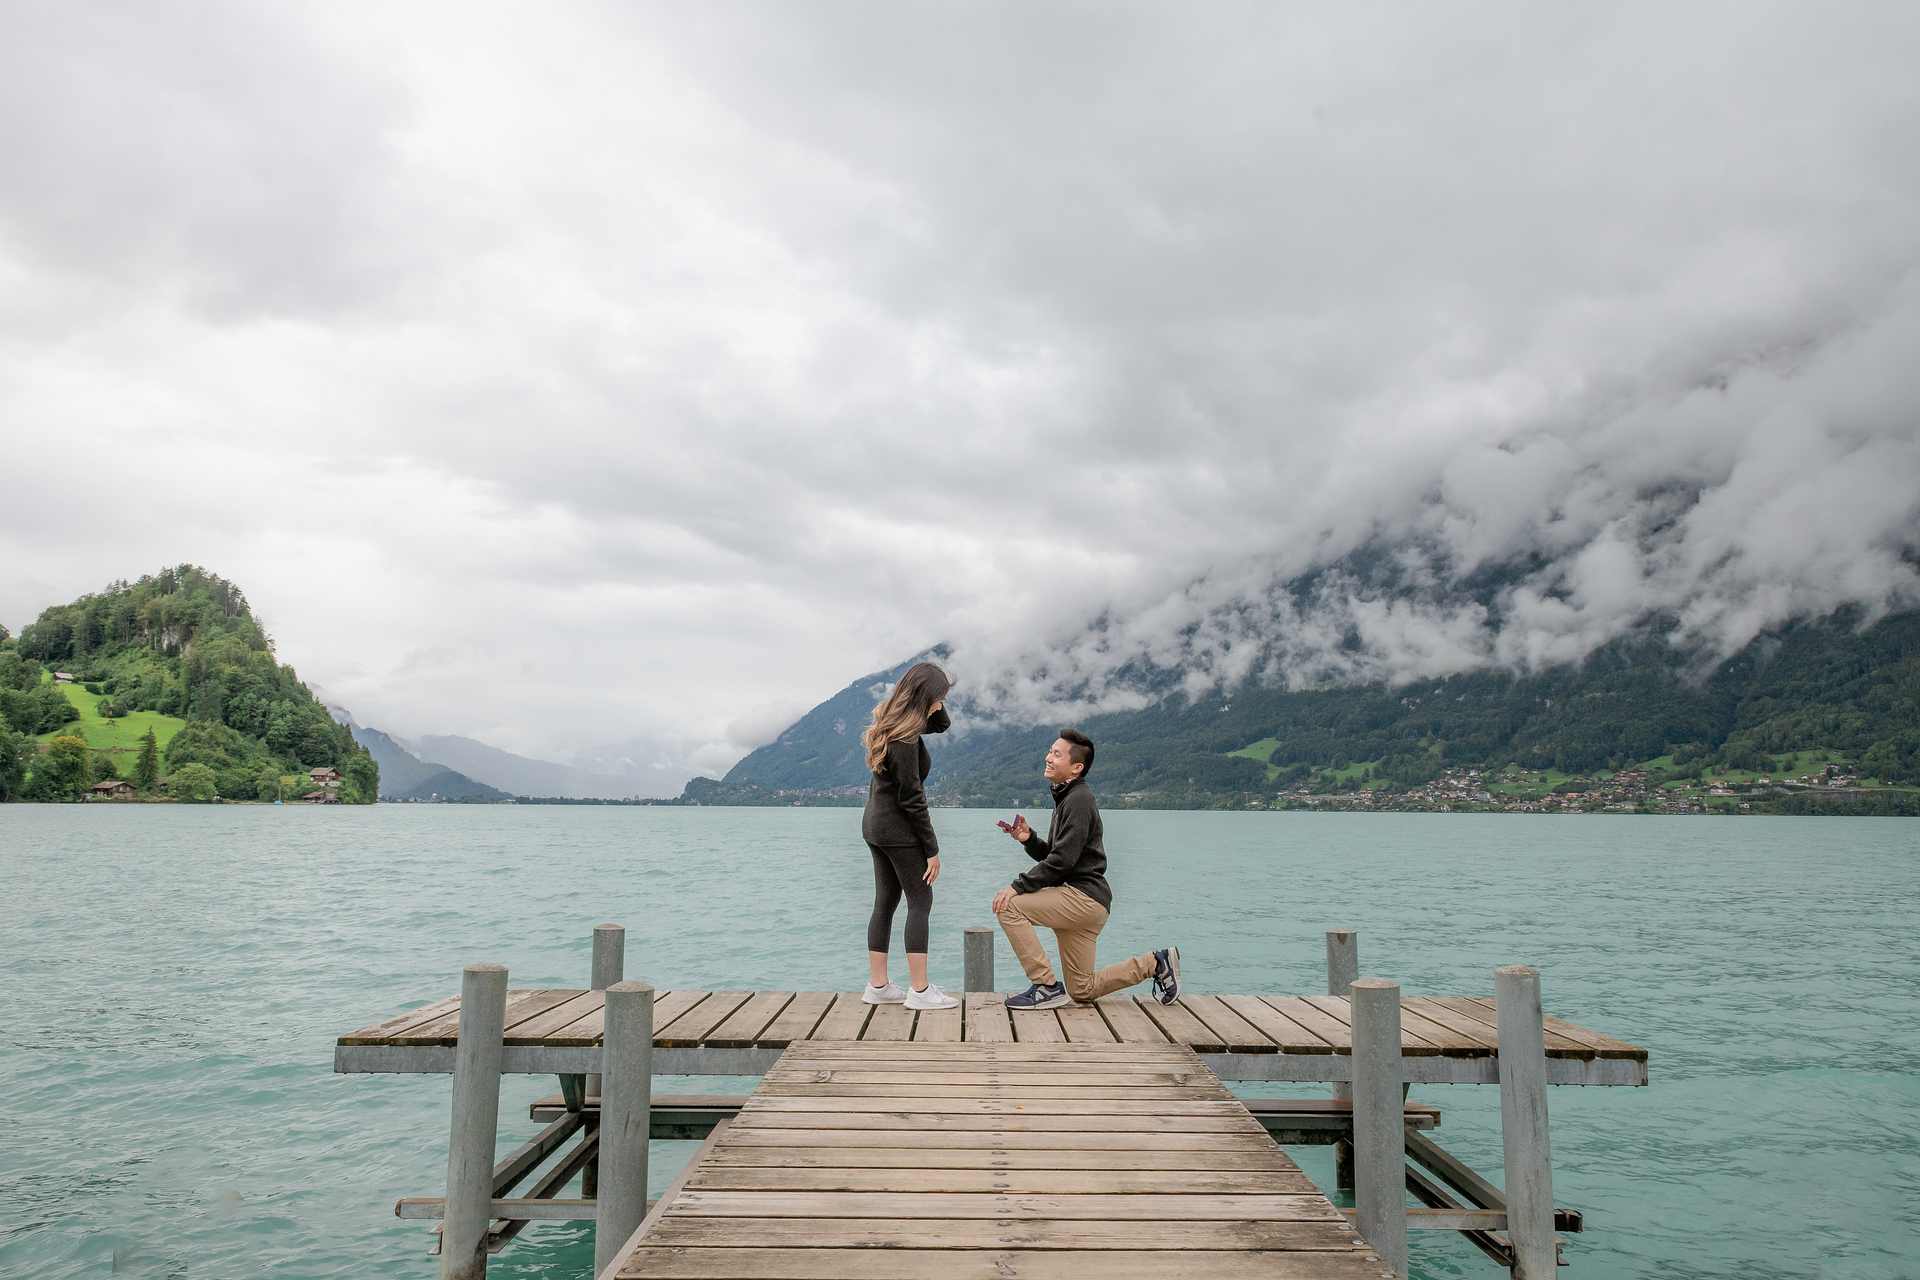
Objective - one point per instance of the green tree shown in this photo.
(267, 785)
(362, 783)
(63, 771)
(146, 769)
(104, 769)
(194, 783)
(14, 750)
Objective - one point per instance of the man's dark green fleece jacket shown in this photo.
(1074, 852)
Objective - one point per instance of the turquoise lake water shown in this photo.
(175, 978)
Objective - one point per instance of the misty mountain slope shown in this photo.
(1819, 684)
(405, 776)
(521, 775)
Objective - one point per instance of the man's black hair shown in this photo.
(1080, 748)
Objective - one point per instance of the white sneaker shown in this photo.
(931, 998)
(892, 993)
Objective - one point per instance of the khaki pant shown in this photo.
(1076, 921)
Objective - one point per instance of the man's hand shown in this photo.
(1003, 899)
(1018, 828)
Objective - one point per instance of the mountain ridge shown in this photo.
(1837, 686)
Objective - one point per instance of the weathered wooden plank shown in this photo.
(1604, 1046)
(1557, 1044)
(1236, 1032)
(1130, 1026)
(798, 1019)
(590, 1027)
(1321, 1242)
(1287, 1034)
(735, 1155)
(380, 1032)
(888, 1056)
(986, 1018)
(998, 1052)
(1084, 1025)
(845, 1020)
(683, 1263)
(764, 1118)
(521, 1004)
(941, 1026)
(691, 1028)
(743, 1027)
(1432, 1010)
(1334, 1031)
(1003, 1139)
(935, 1205)
(1182, 1027)
(1035, 1092)
(889, 1022)
(1007, 1104)
(1451, 1041)
(1037, 1026)
(536, 1029)
(1037, 1078)
(1009, 1181)
(1412, 1043)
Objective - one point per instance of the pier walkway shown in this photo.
(983, 1161)
(1086, 1141)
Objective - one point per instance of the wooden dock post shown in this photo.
(1523, 1122)
(609, 967)
(476, 1122)
(1343, 966)
(1379, 1132)
(626, 1116)
(978, 974)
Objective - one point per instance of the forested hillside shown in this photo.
(170, 684)
(1816, 693)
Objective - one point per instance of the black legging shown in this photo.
(899, 869)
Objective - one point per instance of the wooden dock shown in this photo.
(1444, 1039)
(1091, 1140)
(985, 1161)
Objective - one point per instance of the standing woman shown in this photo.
(899, 832)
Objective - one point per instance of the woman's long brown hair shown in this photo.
(902, 714)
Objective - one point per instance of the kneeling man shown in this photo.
(1067, 891)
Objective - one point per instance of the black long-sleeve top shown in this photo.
(896, 811)
(1074, 852)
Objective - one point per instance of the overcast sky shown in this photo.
(639, 374)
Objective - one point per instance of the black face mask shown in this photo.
(938, 722)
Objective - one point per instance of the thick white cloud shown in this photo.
(636, 374)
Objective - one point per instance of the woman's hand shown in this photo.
(933, 869)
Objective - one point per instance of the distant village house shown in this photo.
(321, 797)
(324, 776)
(112, 789)
(63, 677)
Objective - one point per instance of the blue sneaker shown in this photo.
(1039, 997)
(1166, 975)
